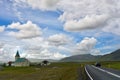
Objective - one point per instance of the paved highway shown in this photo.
(95, 73)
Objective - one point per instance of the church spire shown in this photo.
(17, 55)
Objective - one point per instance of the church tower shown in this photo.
(17, 56)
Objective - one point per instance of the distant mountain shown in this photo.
(114, 56)
(40, 60)
(81, 58)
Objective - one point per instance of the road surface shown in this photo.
(95, 73)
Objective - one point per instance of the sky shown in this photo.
(54, 29)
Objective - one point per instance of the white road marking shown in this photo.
(107, 72)
(88, 74)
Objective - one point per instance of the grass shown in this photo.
(112, 64)
(56, 71)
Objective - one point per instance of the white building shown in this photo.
(21, 62)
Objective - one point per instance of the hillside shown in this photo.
(81, 58)
(40, 60)
(114, 56)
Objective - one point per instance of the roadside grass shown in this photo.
(55, 71)
(111, 64)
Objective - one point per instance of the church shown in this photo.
(20, 62)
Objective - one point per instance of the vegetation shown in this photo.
(55, 71)
(112, 64)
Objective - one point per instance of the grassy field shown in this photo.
(56, 71)
(111, 64)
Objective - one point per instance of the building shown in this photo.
(21, 62)
(45, 63)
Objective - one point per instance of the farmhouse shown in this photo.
(20, 62)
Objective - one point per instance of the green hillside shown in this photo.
(114, 56)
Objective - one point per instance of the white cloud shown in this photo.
(36, 43)
(1, 44)
(7, 52)
(113, 27)
(85, 46)
(2, 28)
(40, 4)
(28, 30)
(84, 15)
(89, 22)
(1, 48)
(77, 15)
(46, 54)
(58, 39)
(75, 9)
(95, 52)
(40, 49)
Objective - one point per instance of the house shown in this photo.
(20, 62)
(45, 63)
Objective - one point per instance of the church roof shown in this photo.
(17, 54)
(20, 60)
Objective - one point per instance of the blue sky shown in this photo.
(58, 28)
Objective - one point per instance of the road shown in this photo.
(95, 73)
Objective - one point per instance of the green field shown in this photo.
(111, 64)
(56, 71)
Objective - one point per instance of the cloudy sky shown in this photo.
(53, 29)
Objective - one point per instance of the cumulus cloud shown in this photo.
(2, 28)
(85, 46)
(40, 4)
(40, 49)
(78, 15)
(27, 30)
(89, 22)
(113, 27)
(7, 51)
(58, 39)
(46, 54)
(75, 9)
(83, 15)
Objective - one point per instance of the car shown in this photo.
(97, 64)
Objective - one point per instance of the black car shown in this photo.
(97, 64)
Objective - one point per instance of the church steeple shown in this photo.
(17, 55)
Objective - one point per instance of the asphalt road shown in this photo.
(95, 73)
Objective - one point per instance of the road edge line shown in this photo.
(113, 74)
(88, 74)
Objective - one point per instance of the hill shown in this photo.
(81, 58)
(33, 60)
(114, 56)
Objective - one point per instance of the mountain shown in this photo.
(81, 58)
(33, 60)
(114, 56)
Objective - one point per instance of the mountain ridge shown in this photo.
(114, 56)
